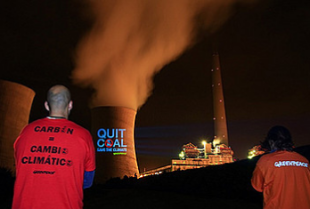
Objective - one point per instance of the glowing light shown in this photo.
(255, 151)
(182, 155)
(216, 141)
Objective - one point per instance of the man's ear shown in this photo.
(47, 107)
(70, 105)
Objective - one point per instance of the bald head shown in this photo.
(58, 101)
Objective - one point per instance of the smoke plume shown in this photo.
(131, 40)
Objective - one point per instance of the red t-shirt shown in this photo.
(51, 157)
(284, 179)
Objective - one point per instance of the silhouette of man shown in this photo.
(283, 175)
(55, 158)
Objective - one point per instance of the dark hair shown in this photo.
(281, 137)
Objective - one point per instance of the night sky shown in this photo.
(264, 52)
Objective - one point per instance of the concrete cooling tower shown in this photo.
(15, 106)
(113, 135)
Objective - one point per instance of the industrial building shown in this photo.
(192, 157)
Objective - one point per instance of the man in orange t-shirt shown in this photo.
(55, 159)
(283, 175)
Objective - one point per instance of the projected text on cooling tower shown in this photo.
(111, 140)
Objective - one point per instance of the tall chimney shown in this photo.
(15, 106)
(219, 118)
(113, 135)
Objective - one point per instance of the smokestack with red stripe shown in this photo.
(113, 135)
(219, 118)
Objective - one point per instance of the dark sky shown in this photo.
(264, 52)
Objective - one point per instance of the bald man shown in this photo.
(55, 158)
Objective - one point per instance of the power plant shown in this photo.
(112, 129)
(113, 134)
(15, 106)
(192, 157)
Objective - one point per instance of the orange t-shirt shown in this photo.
(284, 179)
(51, 158)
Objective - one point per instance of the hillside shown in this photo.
(221, 186)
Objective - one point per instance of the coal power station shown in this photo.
(112, 130)
(15, 106)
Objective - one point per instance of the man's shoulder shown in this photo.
(77, 128)
(34, 123)
(299, 156)
(266, 158)
(281, 155)
(37, 121)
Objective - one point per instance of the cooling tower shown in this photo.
(220, 124)
(15, 106)
(113, 135)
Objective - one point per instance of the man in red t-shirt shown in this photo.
(55, 159)
(283, 175)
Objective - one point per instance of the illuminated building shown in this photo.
(192, 157)
(255, 151)
(15, 106)
(190, 151)
(219, 118)
(201, 157)
(113, 134)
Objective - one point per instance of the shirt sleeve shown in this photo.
(88, 179)
(257, 180)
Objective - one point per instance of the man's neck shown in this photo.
(56, 117)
